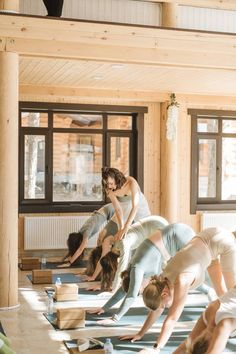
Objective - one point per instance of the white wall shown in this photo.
(207, 19)
(124, 11)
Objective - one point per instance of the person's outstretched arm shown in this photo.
(151, 318)
(79, 251)
(136, 278)
(135, 193)
(106, 246)
(181, 288)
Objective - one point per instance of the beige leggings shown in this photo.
(222, 246)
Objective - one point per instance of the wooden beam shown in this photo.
(40, 37)
(89, 93)
(211, 4)
(128, 55)
(78, 93)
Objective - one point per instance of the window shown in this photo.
(63, 148)
(213, 178)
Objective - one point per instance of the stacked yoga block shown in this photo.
(73, 317)
(30, 263)
(66, 292)
(41, 276)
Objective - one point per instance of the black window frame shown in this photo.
(216, 203)
(136, 135)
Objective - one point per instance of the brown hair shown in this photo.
(152, 292)
(114, 173)
(200, 346)
(73, 242)
(94, 257)
(109, 265)
(125, 276)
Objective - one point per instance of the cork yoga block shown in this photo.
(70, 313)
(73, 323)
(66, 292)
(66, 289)
(41, 276)
(73, 317)
(30, 263)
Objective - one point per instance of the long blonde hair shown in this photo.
(152, 292)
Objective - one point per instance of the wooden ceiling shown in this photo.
(78, 54)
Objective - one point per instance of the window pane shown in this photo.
(229, 126)
(119, 157)
(34, 119)
(229, 168)
(77, 163)
(119, 122)
(207, 168)
(73, 120)
(34, 159)
(205, 125)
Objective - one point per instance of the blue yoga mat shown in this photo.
(54, 265)
(65, 278)
(126, 347)
(89, 294)
(134, 317)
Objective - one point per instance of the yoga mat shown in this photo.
(54, 265)
(65, 278)
(135, 316)
(84, 291)
(126, 347)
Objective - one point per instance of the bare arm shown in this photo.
(106, 246)
(221, 335)
(79, 250)
(181, 288)
(118, 209)
(151, 318)
(134, 188)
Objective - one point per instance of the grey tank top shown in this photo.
(93, 224)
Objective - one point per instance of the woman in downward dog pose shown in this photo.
(216, 324)
(185, 271)
(146, 261)
(129, 204)
(134, 237)
(77, 241)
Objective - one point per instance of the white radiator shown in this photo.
(51, 232)
(222, 219)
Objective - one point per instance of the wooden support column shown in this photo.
(9, 5)
(9, 73)
(169, 172)
(169, 15)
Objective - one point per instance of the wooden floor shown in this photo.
(31, 333)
